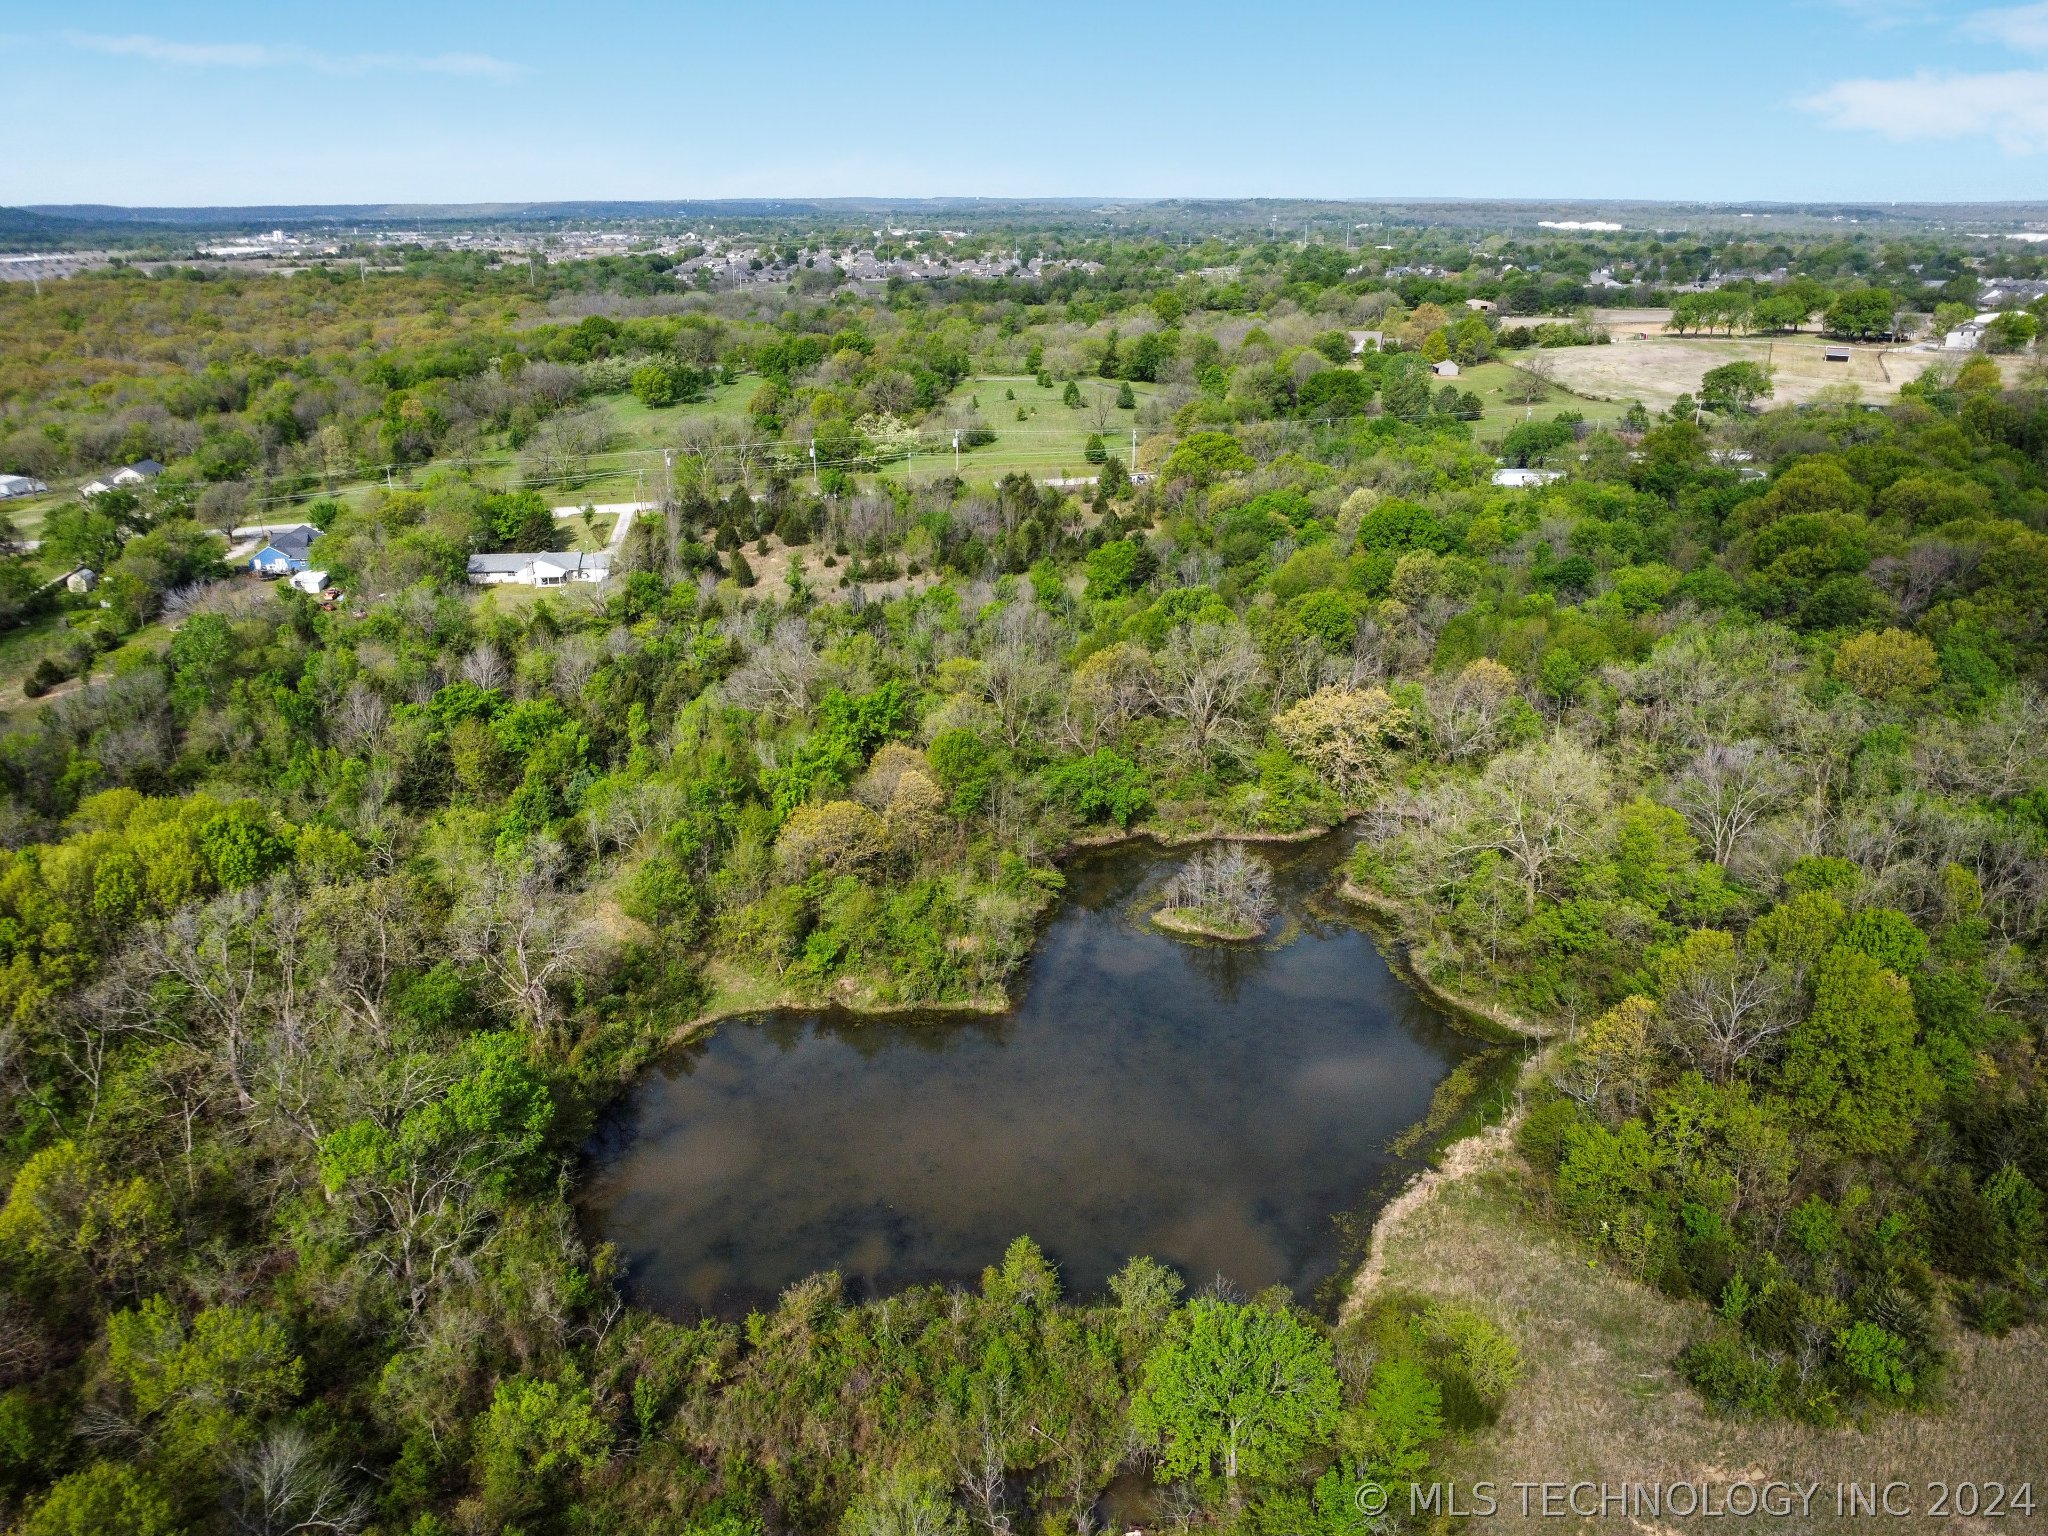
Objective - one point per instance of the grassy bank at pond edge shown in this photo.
(1600, 1400)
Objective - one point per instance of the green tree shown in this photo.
(241, 845)
(1862, 312)
(1103, 785)
(1238, 1390)
(1852, 1070)
(2012, 331)
(1119, 567)
(965, 768)
(1888, 666)
(1735, 386)
(106, 1499)
(85, 532)
(535, 1431)
(1206, 456)
(521, 520)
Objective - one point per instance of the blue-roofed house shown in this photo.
(288, 550)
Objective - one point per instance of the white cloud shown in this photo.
(2008, 106)
(268, 56)
(2017, 26)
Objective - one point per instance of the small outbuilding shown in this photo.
(1445, 369)
(1482, 306)
(1522, 479)
(1835, 355)
(84, 579)
(309, 581)
(20, 485)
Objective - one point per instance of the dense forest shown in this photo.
(326, 931)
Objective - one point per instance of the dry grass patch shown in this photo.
(1661, 369)
(1599, 1400)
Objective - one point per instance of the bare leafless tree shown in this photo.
(1534, 806)
(633, 815)
(1728, 789)
(1020, 673)
(485, 666)
(1230, 885)
(1534, 378)
(361, 717)
(1204, 678)
(283, 1486)
(1722, 1009)
(527, 935)
(781, 675)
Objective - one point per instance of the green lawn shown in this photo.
(1490, 382)
(27, 512)
(1052, 438)
(1049, 441)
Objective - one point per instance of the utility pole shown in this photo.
(816, 485)
(956, 455)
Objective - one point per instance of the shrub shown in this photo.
(1729, 1374)
(45, 675)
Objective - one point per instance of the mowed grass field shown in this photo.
(1492, 382)
(1052, 438)
(1600, 1401)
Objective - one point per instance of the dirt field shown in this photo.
(1660, 369)
(1599, 1400)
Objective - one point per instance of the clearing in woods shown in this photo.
(1600, 1401)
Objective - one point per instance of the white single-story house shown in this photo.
(1969, 336)
(1524, 478)
(288, 550)
(1363, 342)
(141, 472)
(309, 581)
(20, 485)
(1482, 306)
(1445, 369)
(544, 568)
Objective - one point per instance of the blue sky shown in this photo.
(454, 100)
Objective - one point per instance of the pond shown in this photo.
(1216, 1106)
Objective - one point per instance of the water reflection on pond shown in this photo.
(1214, 1106)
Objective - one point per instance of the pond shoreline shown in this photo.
(720, 1010)
(1457, 1157)
(1185, 923)
(1368, 1152)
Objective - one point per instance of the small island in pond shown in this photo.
(1223, 893)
